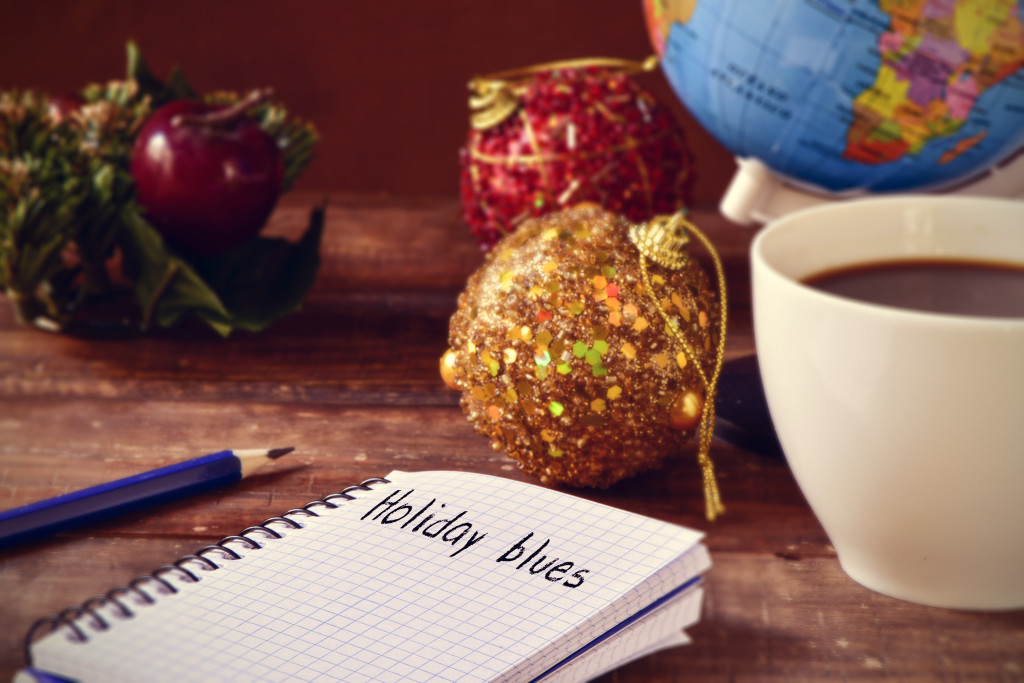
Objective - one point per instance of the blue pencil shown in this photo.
(78, 508)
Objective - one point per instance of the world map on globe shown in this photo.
(845, 96)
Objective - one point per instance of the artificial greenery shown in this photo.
(72, 233)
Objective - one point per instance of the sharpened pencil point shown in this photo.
(275, 453)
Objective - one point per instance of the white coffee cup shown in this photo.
(904, 429)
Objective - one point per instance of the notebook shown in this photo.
(418, 576)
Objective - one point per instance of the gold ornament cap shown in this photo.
(663, 240)
(491, 102)
(495, 97)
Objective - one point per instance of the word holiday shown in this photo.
(394, 511)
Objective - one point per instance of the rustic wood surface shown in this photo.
(351, 381)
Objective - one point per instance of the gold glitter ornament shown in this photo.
(589, 349)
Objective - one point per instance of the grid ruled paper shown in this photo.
(355, 596)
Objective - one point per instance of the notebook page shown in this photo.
(657, 630)
(437, 574)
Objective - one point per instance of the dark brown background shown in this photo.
(385, 82)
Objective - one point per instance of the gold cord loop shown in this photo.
(663, 241)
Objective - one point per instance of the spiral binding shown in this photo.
(89, 609)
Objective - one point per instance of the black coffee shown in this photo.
(937, 286)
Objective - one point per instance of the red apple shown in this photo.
(207, 177)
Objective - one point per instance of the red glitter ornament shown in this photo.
(552, 136)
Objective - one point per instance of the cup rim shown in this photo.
(760, 261)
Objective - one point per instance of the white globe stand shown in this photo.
(758, 195)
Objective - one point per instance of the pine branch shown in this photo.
(71, 229)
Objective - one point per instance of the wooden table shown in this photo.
(352, 382)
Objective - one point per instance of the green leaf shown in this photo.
(266, 278)
(246, 288)
(179, 87)
(139, 71)
(39, 261)
(167, 288)
(176, 88)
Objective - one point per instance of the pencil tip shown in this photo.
(275, 453)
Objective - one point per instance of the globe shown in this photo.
(842, 97)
